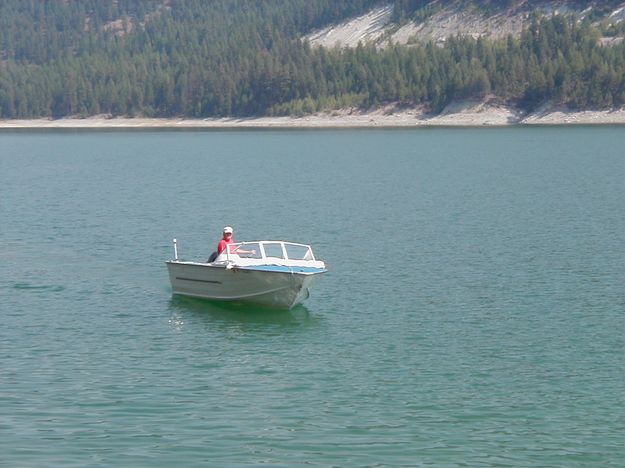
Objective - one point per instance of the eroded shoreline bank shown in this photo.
(455, 115)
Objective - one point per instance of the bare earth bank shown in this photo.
(457, 114)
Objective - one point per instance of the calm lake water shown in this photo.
(473, 312)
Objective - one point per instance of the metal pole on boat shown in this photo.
(175, 250)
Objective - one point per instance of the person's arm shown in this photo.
(237, 250)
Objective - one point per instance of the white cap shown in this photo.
(228, 229)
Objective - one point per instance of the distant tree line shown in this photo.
(244, 57)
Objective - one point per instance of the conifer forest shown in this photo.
(211, 58)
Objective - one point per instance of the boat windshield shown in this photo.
(271, 249)
(298, 252)
(246, 250)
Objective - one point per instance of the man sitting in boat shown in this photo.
(223, 244)
(226, 239)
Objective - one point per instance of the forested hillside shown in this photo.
(198, 58)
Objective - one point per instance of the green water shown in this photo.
(473, 312)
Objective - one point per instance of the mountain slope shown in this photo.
(444, 19)
(190, 58)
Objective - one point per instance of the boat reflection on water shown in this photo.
(189, 309)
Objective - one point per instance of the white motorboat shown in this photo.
(270, 273)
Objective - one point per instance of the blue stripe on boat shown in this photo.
(283, 269)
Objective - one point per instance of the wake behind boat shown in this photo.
(270, 273)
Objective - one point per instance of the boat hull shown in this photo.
(268, 288)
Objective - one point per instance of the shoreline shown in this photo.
(457, 114)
